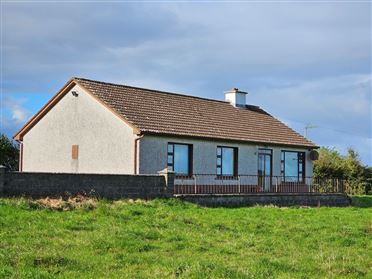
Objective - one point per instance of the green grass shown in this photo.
(362, 201)
(168, 239)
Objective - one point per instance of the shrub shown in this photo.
(332, 164)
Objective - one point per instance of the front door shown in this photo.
(264, 169)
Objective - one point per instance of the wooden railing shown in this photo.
(250, 184)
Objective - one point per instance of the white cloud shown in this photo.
(19, 115)
(304, 62)
(338, 102)
(340, 107)
(13, 112)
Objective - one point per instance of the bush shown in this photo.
(9, 153)
(332, 164)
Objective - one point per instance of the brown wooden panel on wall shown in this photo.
(75, 152)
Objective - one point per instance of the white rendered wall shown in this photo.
(106, 143)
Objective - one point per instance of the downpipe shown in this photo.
(135, 152)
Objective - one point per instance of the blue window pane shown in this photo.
(282, 167)
(181, 159)
(227, 161)
(261, 165)
(291, 164)
(267, 165)
(170, 159)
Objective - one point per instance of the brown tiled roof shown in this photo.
(158, 112)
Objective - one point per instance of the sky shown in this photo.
(305, 62)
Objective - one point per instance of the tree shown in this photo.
(352, 165)
(332, 164)
(9, 153)
(329, 164)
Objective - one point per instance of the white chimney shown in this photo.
(235, 97)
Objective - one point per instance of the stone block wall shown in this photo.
(35, 184)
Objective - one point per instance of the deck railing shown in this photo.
(251, 184)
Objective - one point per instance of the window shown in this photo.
(227, 161)
(293, 166)
(180, 158)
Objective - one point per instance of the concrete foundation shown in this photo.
(278, 199)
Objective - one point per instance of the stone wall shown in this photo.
(109, 186)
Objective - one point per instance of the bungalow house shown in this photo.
(97, 127)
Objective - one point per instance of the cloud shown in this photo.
(302, 62)
(340, 107)
(182, 42)
(13, 113)
(19, 115)
(341, 102)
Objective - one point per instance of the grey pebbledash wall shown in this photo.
(32, 184)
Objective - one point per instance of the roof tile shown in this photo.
(153, 111)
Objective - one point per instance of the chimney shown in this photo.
(235, 97)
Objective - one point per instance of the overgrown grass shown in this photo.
(362, 201)
(168, 238)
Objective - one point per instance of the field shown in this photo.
(168, 239)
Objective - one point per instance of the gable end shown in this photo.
(56, 98)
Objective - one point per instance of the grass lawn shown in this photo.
(168, 238)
